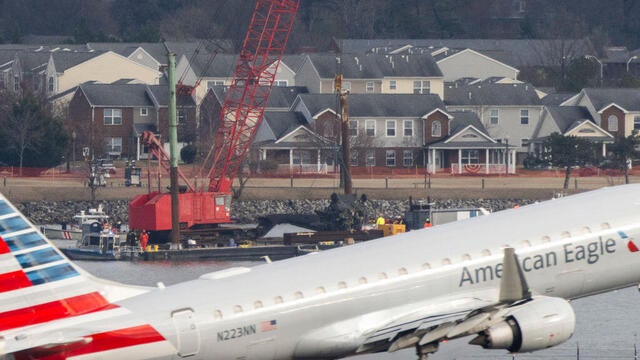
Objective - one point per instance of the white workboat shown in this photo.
(74, 231)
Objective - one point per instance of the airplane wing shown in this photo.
(453, 318)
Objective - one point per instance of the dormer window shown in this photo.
(144, 111)
(612, 123)
(436, 128)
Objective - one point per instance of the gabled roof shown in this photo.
(443, 56)
(568, 117)
(374, 66)
(466, 124)
(492, 94)
(283, 122)
(206, 65)
(463, 119)
(130, 95)
(376, 105)
(514, 52)
(158, 50)
(294, 62)
(555, 99)
(281, 97)
(66, 60)
(574, 120)
(116, 95)
(627, 98)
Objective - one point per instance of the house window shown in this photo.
(391, 158)
(354, 158)
(301, 157)
(113, 145)
(51, 84)
(494, 117)
(393, 84)
(612, 123)
(181, 116)
(524, 116)
(281, 83)
(636, 122)
(328, 130)
(407, 158)
(353, 128)
(112, 116)
(370, 127)
(369, 87)
(16, 83)
(391, 128)
(524, 143)
(212, 83)
(470, 157)
(144, 111)
(371, 158)
(436, 129)
(408, 128)
(422, 87)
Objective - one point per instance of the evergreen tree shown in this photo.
(32, 136)
(568, 151)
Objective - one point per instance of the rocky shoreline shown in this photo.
(57, 212)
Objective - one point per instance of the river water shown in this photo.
(607, 324)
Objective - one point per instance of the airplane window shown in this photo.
(446, 261)
(426, 266)
(546, 239)
(298, 295)
(257, 304)
(320, 290)
(586, 230)
(237, 309)
(402, 271)
(362, 280)
(277, 300)
(605, 226)
(486, 252)
(466, 257)
(526, 243)
(217, 314)
(342, 285)
(382, 276)
(565, 234)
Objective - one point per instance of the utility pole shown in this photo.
(173, 149)
(345, 168)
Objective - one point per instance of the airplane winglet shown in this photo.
(513, 285)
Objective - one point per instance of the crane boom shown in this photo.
(241, 115)
(249, 91)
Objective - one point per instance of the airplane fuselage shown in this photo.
(322, 305)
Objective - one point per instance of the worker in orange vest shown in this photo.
(427, 223)
(144, 239)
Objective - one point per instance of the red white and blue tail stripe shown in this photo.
(52, 309)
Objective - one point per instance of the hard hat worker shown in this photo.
(427, 223)
(380, 220)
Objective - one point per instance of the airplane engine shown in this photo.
(538, 324)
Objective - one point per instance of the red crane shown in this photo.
(241, 115)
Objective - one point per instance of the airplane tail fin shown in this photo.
(38, 283)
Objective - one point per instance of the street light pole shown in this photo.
(630, 60)
(73, 148)
(591, 57)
